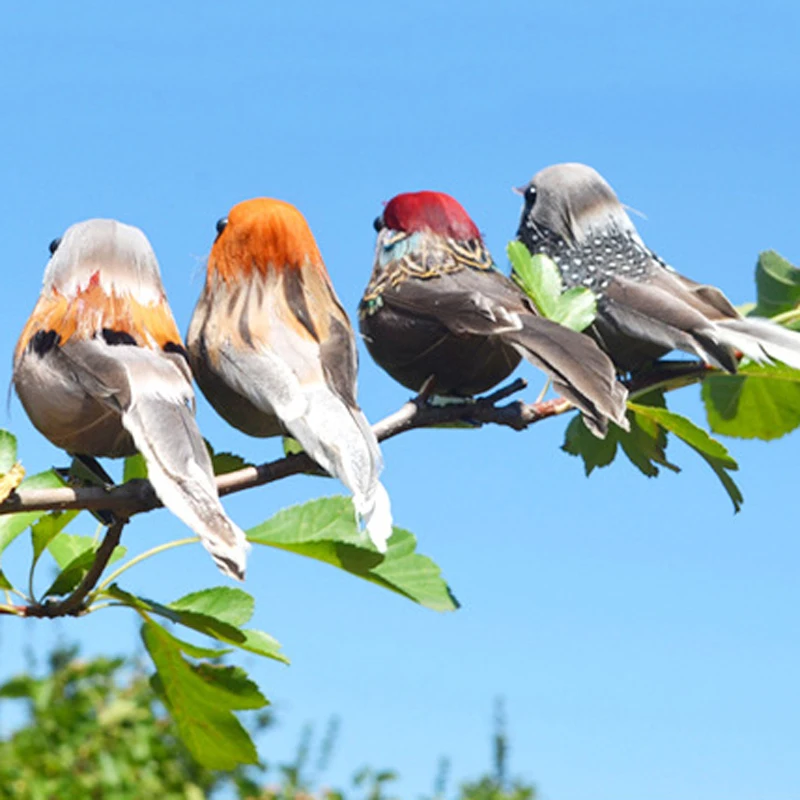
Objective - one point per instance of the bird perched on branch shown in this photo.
(274, 352)
(101, 371)
(645, 308)
(436, 307)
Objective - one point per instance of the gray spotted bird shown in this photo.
(645, 308)
(101, 371)
(437, 308)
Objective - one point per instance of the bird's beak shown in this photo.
(520, 190)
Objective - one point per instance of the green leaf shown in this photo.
(72, 574)
(4, 582)
(18, 687)
(8, 451)
(201, 703)
(712, 451)
(326, 530)
(195, 651)
(778, 285)
(595, 452)
(224, 603)
(223, 463)
(12, 525)
(135, 468)
(233, 686)
(291, 446)
(538, 276)
(75, 555)
(576, 308)
(262, 644)
(644, 445)
(219, 628)
(47, 528)
(65, 549)
(762, 401)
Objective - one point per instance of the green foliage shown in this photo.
(646, 443)
(223, 463)
(540, 279)
(203, 697)
(777, 285)
(134, 468)
(326, 530)
(12, 525)
(95, 730)
(762, 401)
(291, 446)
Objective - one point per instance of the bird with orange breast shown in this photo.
(274, 351)
(101, 371)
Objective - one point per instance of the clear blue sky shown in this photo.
(647, 641)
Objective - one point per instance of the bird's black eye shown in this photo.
(53, 246)
(530, 194)
(221, 225)
(378, 223)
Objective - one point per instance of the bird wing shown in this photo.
(465, 301)
(486, 303)
(670, 312)
(293, 354)
(152, 393)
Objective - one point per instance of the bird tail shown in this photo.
(761, 340)
(179, 468)
(580, 370)
(340, 440)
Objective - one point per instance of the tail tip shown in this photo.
(375, 514)
(233, 566)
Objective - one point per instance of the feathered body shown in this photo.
(645, 308)
(436, 307)
(274, 352)
(101, 370)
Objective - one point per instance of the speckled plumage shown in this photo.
(645, 308)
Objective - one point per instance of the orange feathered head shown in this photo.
(259, 234)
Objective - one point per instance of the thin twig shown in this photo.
(74, 604)
(138, 496)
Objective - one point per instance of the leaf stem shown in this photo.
(141, 557)
(792, 315)
(75, 603)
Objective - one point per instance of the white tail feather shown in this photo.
(761, 340)
(179, 469)
(375, 513)
(341, 441)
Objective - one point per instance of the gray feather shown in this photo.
(155, 402)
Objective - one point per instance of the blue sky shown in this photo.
(646, 640)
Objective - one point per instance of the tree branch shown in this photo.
(138, 496)
(73, 605)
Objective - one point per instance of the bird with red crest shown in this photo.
(274, 351)
(101, 371)
(437, 312)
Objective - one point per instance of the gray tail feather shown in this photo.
(180, 471)
(762, 340)
(580, 371)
